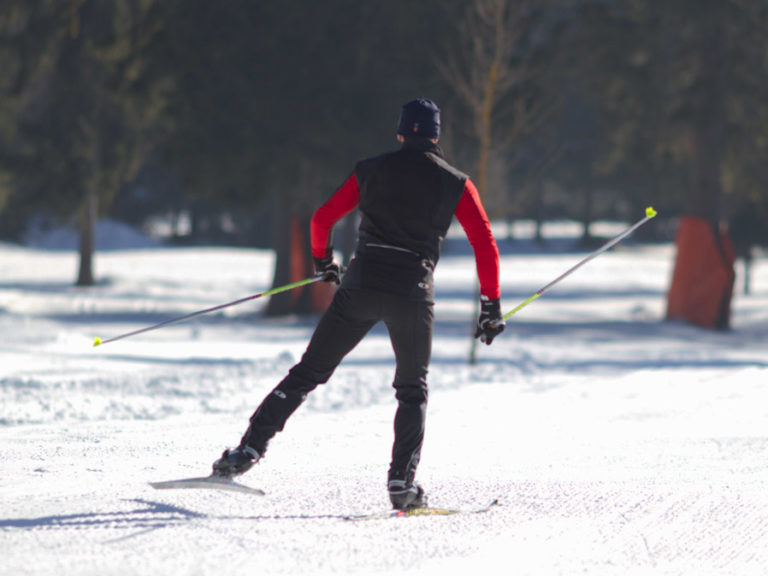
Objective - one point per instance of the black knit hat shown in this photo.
(420, 117)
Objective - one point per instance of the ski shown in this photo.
(424, 511)
(212, 482)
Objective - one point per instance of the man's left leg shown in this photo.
(340, 329)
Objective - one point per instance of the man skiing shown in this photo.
(407, 199)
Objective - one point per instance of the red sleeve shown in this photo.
(339, 205)
(472, 217)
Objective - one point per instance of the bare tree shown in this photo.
(487, 64)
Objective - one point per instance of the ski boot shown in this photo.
(404, 497)
(235, 461)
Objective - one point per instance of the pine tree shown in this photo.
(87, 106)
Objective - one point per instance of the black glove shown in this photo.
(490, 324)
(328, 269)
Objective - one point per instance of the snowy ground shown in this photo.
(617, 443)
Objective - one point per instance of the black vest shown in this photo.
(407, 201)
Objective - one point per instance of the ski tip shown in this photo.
(650, 212)
(96, 342)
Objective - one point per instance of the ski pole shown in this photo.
(649, 213)
(99, 341)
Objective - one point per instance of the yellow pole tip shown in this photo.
(97, 342)
(650, 212)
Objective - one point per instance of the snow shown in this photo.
(617, 443)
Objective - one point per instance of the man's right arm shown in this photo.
(472, 217)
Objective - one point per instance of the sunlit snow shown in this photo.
(617, 442)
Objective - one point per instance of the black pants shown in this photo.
(350, 316)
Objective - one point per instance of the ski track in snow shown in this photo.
(617, 443)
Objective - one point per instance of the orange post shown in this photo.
(702, 282)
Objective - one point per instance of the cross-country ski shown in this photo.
(211, 482)
(421, 511)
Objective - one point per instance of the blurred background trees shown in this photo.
(81, 106)
(230, 122)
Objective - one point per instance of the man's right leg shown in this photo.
(410, 328)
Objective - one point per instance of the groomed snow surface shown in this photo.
(616, 442)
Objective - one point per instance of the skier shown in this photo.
(406, 199)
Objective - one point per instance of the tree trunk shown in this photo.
(293, 262)
(538, 210)
(587, 216)
(281, 304)
(87, 222)
(484, 125)
(747, 275)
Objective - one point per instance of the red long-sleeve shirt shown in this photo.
(469, 212)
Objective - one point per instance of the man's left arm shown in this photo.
(343, 201)
(335, 208)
